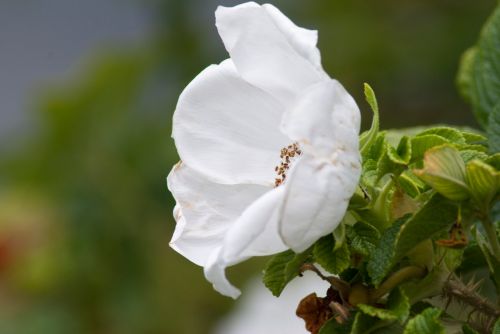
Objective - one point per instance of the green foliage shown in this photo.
(490, 258)
(380, 262)
(494, 129)
(397, 308)
(421, 144)
(411, 184)
(479, 75)
(363, 323)
(473, 137)
(444, 170)
(402, 154)
(468, 330)
(333, 327)
(451, 134)
(435, 216)
(368, 138)
(363, 238)
(493, 160)
(469, 155)
(483, 181)
(466, 73)
(281, 269)
(472, 258)
(496, 327)
(426, 322)
(333, 260)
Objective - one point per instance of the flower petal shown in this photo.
(324, 120)
(205, 211)
(255, 233)
(215, 272)
(302, 40)
(317, 196)
(228, 129)
(268, 50)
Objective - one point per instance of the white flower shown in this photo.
(230, 126)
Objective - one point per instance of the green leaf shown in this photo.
(382, 206)
(339, 234)
(422, 255)
(473, 137)
(453, 258)
(397, 308)
(479, 75)
(483, 182)
(467, 330)
(394, 160)
(368, 138)
(475, 147)
(386, 165)
(468, 155)
(334, 261)
(429, 286)
(493, 263)
(419, 145)
(444, 170)
(380, 262)
(363, 323)
(411, 184)
(451, 134)
(333, 327)
(436, 215)
(472, 259)
(282, 268)
(402, 154)
(370, 217)
(377, 148)
(496, 327)
(426, 322)
(369, 173)
(493, 129)
(363, 238)
(393, 328)
(494, 160)
(465, 74)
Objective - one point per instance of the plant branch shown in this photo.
(491, 234)
(340, 285)
(396, 279)
(466, 294)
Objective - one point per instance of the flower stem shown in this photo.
(491, 234)
(396, 279)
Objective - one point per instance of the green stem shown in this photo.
(491, 234)
(396, 279)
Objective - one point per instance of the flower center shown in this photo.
(287, 156)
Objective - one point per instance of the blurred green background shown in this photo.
(85, 215)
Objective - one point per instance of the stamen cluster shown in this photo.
(286, 155)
